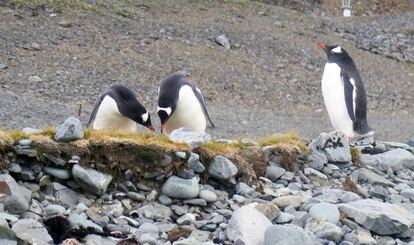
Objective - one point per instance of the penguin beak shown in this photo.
(151, 128)
(163, 127)
(322, 46)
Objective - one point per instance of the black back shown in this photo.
(349, 72)
(169, 93)
(126, 102)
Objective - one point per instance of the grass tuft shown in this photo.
(55, 5)
(290, 138)
(356, 157)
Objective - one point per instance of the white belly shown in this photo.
(334, 97)
(188, 113)
(109, 118)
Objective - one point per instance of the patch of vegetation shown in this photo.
(55, 5)
(290, 138)
(356, 157)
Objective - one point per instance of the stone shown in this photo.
(15, 198)
(153, 211)
(14, 168)
(248, 225)
(290, 200)
(409, 194)
(52, 210)
(59, 173)
(207, 195)
(318, 160)
(196, 202)
(148, 238)
(3, 66)
(64, 23)
(313, 172)
(65, 195)
(55, 160)
(186, 219)
(325, 230)
(195, 164)
(28, 130)
(223, 41)
(70, 130)
(25, 142)
(274, 173)
(334, 145)
(164, 200)
(271, 211)
(32, 232)
(349, 197)
(135, 196)
(325, 211)
(381, 218)
(364, 175)
(35, 79)
(222, 168)
(397, 159)
(181, 154)
(166, 161)
(36, 46)
(176, 187)
(93, 239)
(287, 234)
(91, 180)
(284, 218)
(193, 138)
(80, 220)
(243, 189)
(411, 143)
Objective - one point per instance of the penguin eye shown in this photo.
(145, 116)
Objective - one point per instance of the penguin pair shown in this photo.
(344, 94)
(180, 104)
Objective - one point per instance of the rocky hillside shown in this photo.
(58, 55)
(70, 186)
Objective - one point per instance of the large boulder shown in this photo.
(381, 218)
(395, 159)
(71, 129)
(288, 235)
(91, 180)
(334, 145)
(248, 225)
(32, 232)
(177, 187)
(16, 198)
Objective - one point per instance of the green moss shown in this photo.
(356, 156)
(290, 138)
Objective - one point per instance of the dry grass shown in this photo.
(289, 138)
(356, 157)
(55, 5)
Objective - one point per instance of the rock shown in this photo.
(58, 173)
(35, 79)
(164, 200)
(91, 180)
(223, 41)
(411, 143)
(222, 168)
(166, 161)
(409, 194)
(365, 175)
(207, 195)
(248, 225)
(349, 197)
(6, 233)
(153, 211)
(274, 173)
(334, 145)
(14, 168)
(16, 198)
(193, 138)
(381, 218)
(239, 199)
(318, 160)
(181, 154)
(186, 219)
(32, 232)
(148, 228)
(36, 46)
(148, 238)
(80, 220)
(284, 218)
(65, 195)
(28, 130)
(287, 234)
(64, 23)
(135, 196)
(71, 129)
(244, 189)
(92, 239)
(294, 201)
(3, 66)
(271, 211)
(397, 159)
(176, 187)
(323, 229)
(313, 172)
(325, 211)
(52, 210)
(195, 164)
(196, 202)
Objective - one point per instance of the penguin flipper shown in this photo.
(200, 99)
(350, 94)
(95, 109)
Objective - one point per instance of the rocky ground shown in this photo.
(327, 194)
(54, 58)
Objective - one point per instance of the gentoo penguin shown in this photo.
(118, 109)
(344, 94)
(181, 104)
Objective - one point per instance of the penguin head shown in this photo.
(335, 53)
(165, 110)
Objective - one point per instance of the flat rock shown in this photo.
(95, 240)
(318, 160)
(223, 41)
(323, 229)
(154, 211)
(271, 211)
(243, 189)
(58, 172)
(396, 159)
(70, 130)
(248, 225)
(91, 180)
(364, 175)
(176, 187)
(274, 173)
(290, 200)
(193, 138)
(325, 211)
(64, 195)
(288, 234)
(16, 198)
(32, 232)
(207, 195)
(381, 218)
(222, 168)
(334, 145)
(80, 220)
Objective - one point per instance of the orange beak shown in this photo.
(322, 46)
(151, 128)
(163, 127)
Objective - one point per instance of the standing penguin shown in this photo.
(118, 109)
(344, 94)
(181, 104)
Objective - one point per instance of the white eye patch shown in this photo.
(145, 116)
(337, 50)
(167, 110)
